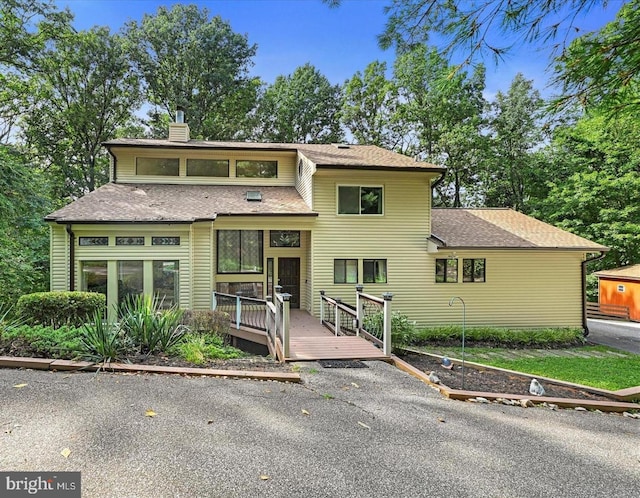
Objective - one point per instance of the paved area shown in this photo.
(344, 432)
(621, 335)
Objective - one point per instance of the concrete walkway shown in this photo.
(368, 432)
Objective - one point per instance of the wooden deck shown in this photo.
(310, 340)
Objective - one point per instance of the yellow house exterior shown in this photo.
(184, 218)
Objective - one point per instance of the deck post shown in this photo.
(337, 314)
(214, 301)
(321, 306)
(238, 309)
(386, 337)
(285, 323)
(359, 308)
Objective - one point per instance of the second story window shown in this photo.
(208, 167)
(256, 169)
(359, 200)
(158, 166)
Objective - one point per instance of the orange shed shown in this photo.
(621, 286)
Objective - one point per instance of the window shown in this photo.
(165, 241)
(345, 271)
(284, 238)
(359, 200)
(257, 169)
(158, 166)
(374, 271)
(93, 241)
(240, 251)
(208, 167)
(129, 241)
(165, 282)
(94, 276)
(130, 279)
(446, 270)
(473, 270)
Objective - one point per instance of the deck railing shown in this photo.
(371, 317)
(278, 320)
(243, 311)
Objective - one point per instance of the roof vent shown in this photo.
(254, 195)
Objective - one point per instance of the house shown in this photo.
(182, 218)
(620, 287)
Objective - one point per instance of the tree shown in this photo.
(512, 171)
(187, 60)
(85, 92)
(300, 108)
(444, 110)
(24, 237)
(369, 109)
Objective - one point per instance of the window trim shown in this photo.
(160, 158)
(207, 159)
(262, 265)
(446, 264)
(360, 187)
(472, 261)
(374, 260)
(257, 161)
(346, 279)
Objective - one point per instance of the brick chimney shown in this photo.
(179, 131)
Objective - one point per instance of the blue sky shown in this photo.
(338, 42)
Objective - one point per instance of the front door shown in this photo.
(289, 279)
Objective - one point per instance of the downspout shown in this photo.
(585, 328)
(115, 166)
(72, 258)
(437, 182)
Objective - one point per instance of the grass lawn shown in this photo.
(611, 372)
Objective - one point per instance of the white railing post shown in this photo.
(238, 309)
(386, 336)
(322, 306)
(285, 323)
(214, 301)
(359, 308)
(337, 327)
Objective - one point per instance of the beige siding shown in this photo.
(202, 257)
(59, 258)
(523, 288)
(126, 170)
(304, 179)
(399, 235)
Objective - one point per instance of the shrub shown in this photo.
(207, 321)
(198, 348)
(60, 308)
(150, 327)
(42, 341)
(103, 341)
(401, 327)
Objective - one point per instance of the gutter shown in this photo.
(72, 257)
(437, 182)
(583, 265)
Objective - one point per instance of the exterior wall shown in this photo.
(305, 170)
(203, 258)
(59, 258)
(609, 294)
(523, 288)
(399, 235)
(126, 166)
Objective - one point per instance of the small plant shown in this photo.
(150, 327)
(327, 396)
(60, 308)
(207, 321)
(402, 329)
(199, 348)
(7, 321)
(103, 341)
(40, 341)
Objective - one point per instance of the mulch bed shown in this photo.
(492, 381)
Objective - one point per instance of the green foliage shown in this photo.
(199, 348)
(187, 59)
(149, 326)
(103, 341)
(207, 321)
(41, 341)
(60, 308)
(24, 237)
(452, 334)
(8, 321)
(300, 108)
(401, 327)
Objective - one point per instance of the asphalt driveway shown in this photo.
(620, 335)
(342, 433)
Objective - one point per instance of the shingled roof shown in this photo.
(631, 272)
(322, 155)
(501, 228)
(155, 203)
